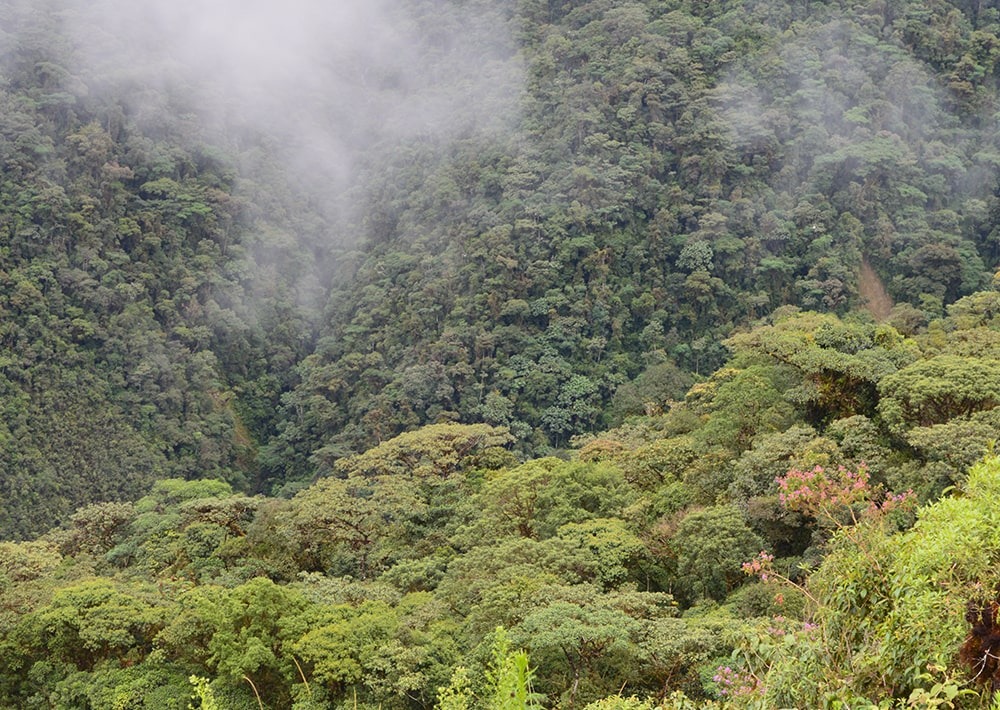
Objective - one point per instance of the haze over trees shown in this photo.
(499, 354)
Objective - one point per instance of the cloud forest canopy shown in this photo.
(340, 240)
(170, 233)
(678, 169)
(438, 570)
(541, 323)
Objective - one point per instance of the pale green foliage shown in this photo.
(946, 693)
(390, 502)
(619, 703)
(616, 548)
(336, 525)
(96, 619)
(959, 442)
(96, 528)
(498, 584)
(741, 404)
(582, 638)
(155, 530)
(509, 677)
(24, 561)
(935, 390)
(433, 450)
(380, 651)
(237, 632)
(837, 362)
(508, 682)
(677, 700)
(534, 499)
(346, 643)
(170, 492)
(203, 692)
(659, 462)
(457, 695)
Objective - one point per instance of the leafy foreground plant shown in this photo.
(887, 611)
(508, 682)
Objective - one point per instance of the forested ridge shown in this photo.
(606, 355)
(678, 170)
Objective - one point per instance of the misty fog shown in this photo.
(324, 82)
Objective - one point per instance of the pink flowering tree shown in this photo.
(838, 496)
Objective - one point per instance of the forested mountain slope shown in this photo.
(186, 291)
(499, 351)
(678, 169)
(171, 234)
(777, 539)
(143, 278)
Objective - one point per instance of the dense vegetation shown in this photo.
(602, 403)
(678, 169)
(753, 543)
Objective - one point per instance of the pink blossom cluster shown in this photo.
(822, 491)
(759, 566)
(894, 501)
(734, 684)
(782, 626)
(817, 488)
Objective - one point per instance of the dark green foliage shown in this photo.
(674, 171)
(676, 234)
(130, 349)
(678, 169)
(711, 545)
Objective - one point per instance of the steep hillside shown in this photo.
(143, 283)
(679, 169)
(213, 276)
(463, 354)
